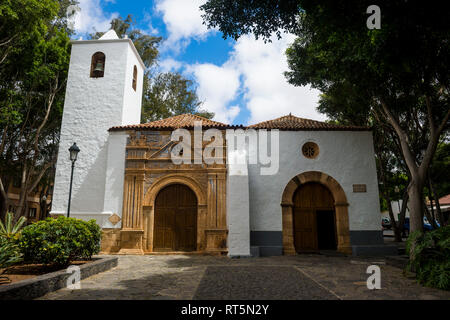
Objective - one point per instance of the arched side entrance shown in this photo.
(152, 200)
(314, 218)
(340, 210)
(175, 227)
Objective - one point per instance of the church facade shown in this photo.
(283, 186)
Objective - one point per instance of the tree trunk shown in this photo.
(395, 227)
(440, 216)
(23, 195)
(415, 202)
(4, 200)
(401, 219)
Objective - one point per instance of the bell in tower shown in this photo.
(98, 64)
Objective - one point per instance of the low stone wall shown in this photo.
(41, 285)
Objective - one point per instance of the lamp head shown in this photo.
(74, 152)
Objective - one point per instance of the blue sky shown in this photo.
(240, 81)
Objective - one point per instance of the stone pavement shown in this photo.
(211, 277)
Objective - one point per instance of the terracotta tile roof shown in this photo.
(445, 200)
(287, 123)
(181, 121)
(293, 123)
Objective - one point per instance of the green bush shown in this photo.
(60, 241)
(431, 257)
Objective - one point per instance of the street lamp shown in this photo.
(73, 157)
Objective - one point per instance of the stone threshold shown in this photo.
(41, 285)
(198, 253)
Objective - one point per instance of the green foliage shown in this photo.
(440, 169)
(170, 94)
(10, 230)
(60, 241)
(9, 253)
(260, 17)
(431, 257)
(34, 62)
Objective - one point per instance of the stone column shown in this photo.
(288, 229)
(132, 233)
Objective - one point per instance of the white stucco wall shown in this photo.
(347, 156)
(92, 106)
(238, 206)
(115, 168)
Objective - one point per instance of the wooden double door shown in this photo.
(314, 219)
(175, 226)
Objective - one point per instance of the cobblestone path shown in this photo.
(211, 277)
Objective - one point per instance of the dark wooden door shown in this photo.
(175, 219)
(305, 230)
(309, 200)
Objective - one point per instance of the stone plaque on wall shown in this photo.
(359, 188)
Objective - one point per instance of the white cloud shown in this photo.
(217, 87)
(169, 64)
(92, 17)
(183, 21)
(267, 92)
(255, 69)
(150, 28)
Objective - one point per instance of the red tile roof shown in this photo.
(181, 121)
(288, 123)
(293, 123)
(445, 200)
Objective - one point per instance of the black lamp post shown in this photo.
(73, 157)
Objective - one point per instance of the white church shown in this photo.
(322, 194)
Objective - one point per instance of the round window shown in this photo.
(310, 150)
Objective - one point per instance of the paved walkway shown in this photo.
(209, 277)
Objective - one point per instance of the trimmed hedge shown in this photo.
(60, 241)
(432, 257)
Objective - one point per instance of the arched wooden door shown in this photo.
(314, 218)
(175, 227)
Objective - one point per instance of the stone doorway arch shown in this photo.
(149, 208)
(340, 204)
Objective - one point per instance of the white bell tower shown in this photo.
(104, 89)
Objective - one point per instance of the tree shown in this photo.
(259, 17)
(440, 170)
(170, 94)
(438, 180)
(402, 68)
(33, 77)
(19, 18)
(345, 106)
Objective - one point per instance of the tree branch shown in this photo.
(409, 158)
(40, 175)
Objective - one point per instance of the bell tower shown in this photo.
(104, 89)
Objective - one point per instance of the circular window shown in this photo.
(310, 150)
